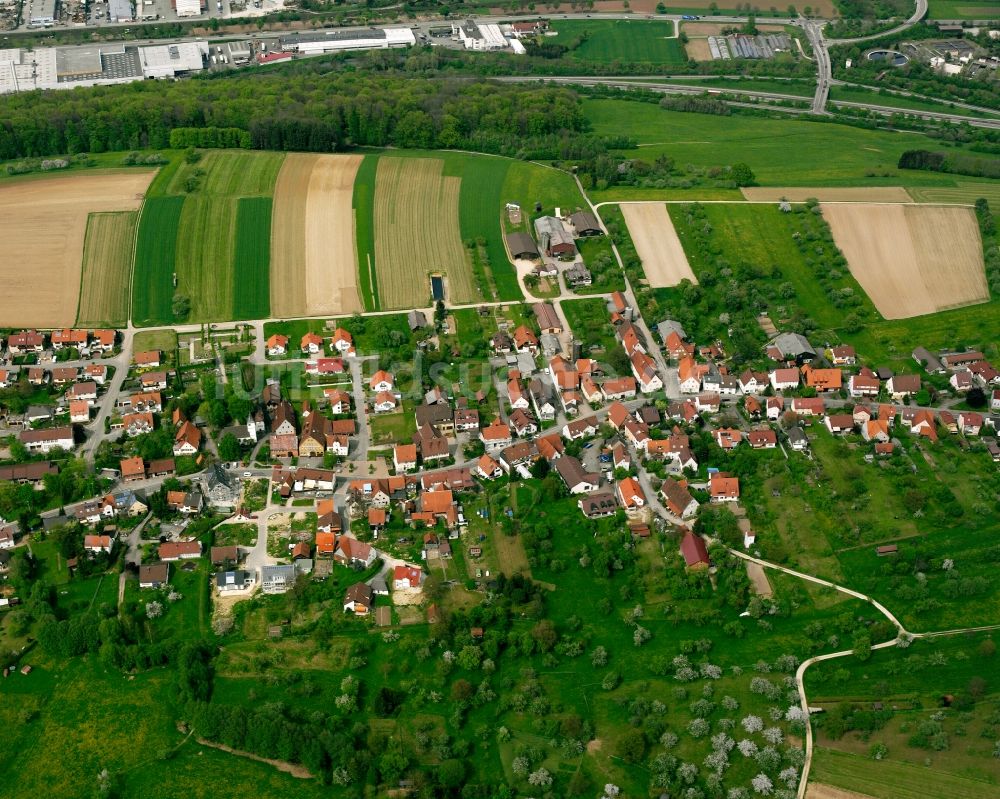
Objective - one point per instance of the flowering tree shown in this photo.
(722, 742)
(540, 778)
(774, 735)
(762, 784)
(698, 728)
(752, 723)
(747, 747)
(789, 776)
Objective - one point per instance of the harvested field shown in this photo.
(962, 193)
(313, 261)
(861, 194)
(417, 233)
(758, 579)
(911, 259)
(656, 242)
(107, 267)
(43, 226)
(698, 50)
(715, 28)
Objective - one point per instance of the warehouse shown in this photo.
(188, 8)
(40, 12)
(553, 238)
(333, 41)
(521, 245)
(479, 37)
(171, 60)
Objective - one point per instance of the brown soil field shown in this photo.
(313, 262)
(911, 259)
(795, 194)
(758, 579)
(698, 50)
(817, 790)
(43, 225)
(107, 269)
(715, 28)
(656, 242)
(417, 233)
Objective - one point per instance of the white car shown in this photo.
(248, 474)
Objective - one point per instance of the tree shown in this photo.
(194, 671)
(450, 774)
(742, 175)
(976, 398)
(180, 307)
(632, 746)
(229, 448)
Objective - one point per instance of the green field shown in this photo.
(364, 231)
(891, 780)
(252, 278)
(203, 254)
(781, 152)
(855, 94)
(107, 269)
(962, 192)
(963, 9)
(155, 257)
(800, 88)
(608, 41)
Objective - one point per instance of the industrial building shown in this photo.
(334, 41)
(480, 36)
(188, 8)
(69, 67)
(40, 12)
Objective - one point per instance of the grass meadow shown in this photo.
(963, 9)
(632, 41)
(155, 258)
(856, 94)
(364, 231)
(781, 152)
(206, 237)
(252, 278)
(107, 269)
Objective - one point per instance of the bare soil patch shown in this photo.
(313, 261)
(43, 225)
(715, 28)
(911, 259)
(656, 242)
(817, 790)
(759, 580)
(795, 194)
(698, 49)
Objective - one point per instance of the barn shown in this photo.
(553, 237)
(521, 245)
(585, 224)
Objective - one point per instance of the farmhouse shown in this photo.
(928, 360)
(548, 319)
(553, 238)
(791, 347)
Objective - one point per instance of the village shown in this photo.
(296, 485)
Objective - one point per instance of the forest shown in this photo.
(290, 112)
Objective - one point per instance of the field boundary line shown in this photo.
(135, 245)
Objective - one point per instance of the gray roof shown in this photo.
(584, 220)
(521, 243)
(572, 472)
(795, 435)
(551, 231)
(793, 345)
(668, 326)
(272, 572)
(416, 319)
(216, 475)
(239, 577)
(378, 584)
(930, 361)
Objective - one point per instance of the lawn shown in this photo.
(855, 94)
(963, 9)
(364, 231)
(781, 152)
(894, 780)
(107, 268)
(252, 286)
(163, 340)
(155, 256)
(620, 40)
(389, 428)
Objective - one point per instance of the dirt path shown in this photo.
(43, 225)
(656, 241)
(289, 768)
(761, 585)
(818, 790)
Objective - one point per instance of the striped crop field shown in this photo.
(252, 260)
(204, 265)
(961, 193)
(152, 284)
(107, 267)
(416, 220)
